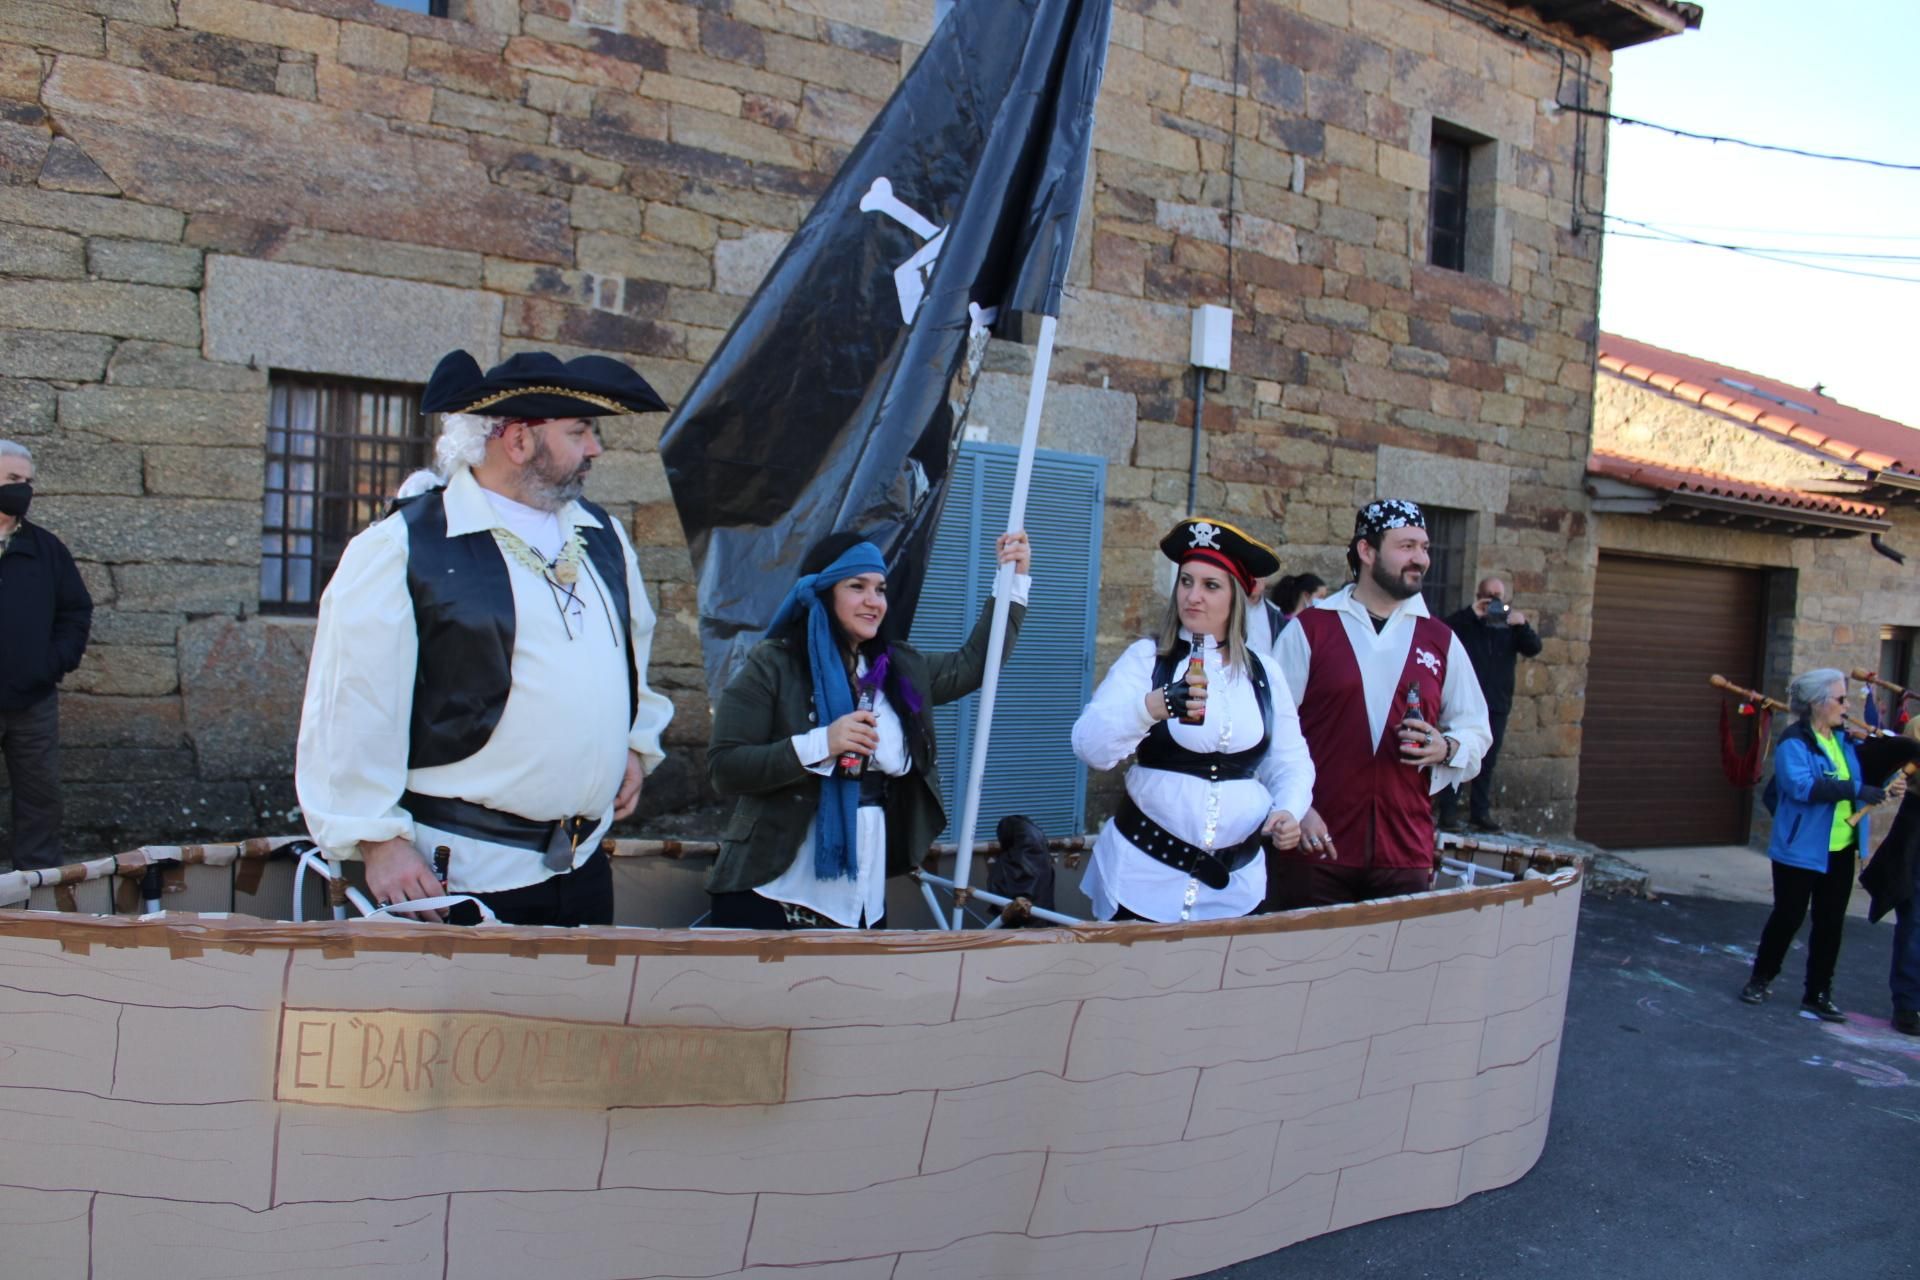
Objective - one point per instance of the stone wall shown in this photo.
(195, 191)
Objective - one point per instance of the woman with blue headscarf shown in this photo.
(808, 846)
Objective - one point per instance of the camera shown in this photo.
(1497, 610)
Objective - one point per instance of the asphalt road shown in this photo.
(1693, 1137)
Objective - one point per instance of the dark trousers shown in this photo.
(1794, 888)
(745, 909)
(1307, 882)
(1480, 790)
(583, 896)
(30, 742)
(1905, 978)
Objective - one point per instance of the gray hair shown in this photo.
(1810, 687)
(14, 449)
(462, 443)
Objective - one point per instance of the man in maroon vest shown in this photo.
(1392, 713)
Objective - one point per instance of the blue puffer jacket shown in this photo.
(1801, 796)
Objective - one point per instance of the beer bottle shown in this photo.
(1197, 681)
(852, 764)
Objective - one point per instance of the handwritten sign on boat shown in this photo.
(406, 1061)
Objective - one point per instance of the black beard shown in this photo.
(1394, 585)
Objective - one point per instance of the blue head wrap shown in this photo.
(833, 828)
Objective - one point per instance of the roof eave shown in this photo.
(1618, 24)
(1621, 497)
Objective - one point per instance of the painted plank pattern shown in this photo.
(1152, 1108)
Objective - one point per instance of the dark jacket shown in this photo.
(770, 700)
(1888, 878)
(45, 614)
(1492, 648)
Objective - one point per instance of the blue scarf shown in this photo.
(833, 827)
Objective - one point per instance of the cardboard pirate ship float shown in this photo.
(218, 1089)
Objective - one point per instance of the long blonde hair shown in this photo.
(1169, 642)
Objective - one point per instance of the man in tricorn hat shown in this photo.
(478, 683)
(1392, 713)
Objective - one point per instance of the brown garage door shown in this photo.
(1650, 745)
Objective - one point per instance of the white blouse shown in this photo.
(1209, 814)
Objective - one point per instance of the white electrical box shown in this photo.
(1212, 337)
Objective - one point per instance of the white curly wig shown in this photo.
(462, 443)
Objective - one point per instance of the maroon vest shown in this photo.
(1376, 808)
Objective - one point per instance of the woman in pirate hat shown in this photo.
(1219, 765)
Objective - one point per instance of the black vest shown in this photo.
(1160, 751)
(463, 611)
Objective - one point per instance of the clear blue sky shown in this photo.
(1826, 75)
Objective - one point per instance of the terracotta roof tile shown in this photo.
(1668, 478)
(1795, 413)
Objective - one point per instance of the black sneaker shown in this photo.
(1907, 1022)
(1755, 992)
(1823, 1008)
(1487, 825)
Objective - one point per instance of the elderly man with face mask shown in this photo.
(478, 681)
(1391, 712)
(45, 614)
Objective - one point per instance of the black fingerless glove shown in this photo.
(1178, 695)
(1870, 794)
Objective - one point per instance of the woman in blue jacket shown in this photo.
(1815, 789)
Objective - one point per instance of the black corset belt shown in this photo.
(1212, 869)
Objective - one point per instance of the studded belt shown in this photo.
(1212, 868)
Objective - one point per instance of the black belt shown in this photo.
(1212, 869)
(464, 818)
(874, 786)
(1208, 766)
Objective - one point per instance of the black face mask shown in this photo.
(14, 499)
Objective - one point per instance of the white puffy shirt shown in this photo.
(1112, 727)
(560, 747)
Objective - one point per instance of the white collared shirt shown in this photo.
(1382, 658)
(1111, 728)
(560, 747)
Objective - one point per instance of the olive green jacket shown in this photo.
(751, 756)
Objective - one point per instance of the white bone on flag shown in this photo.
(826, 407)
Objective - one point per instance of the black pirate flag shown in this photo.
(827, 407)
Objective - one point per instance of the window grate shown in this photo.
(1444, 584)
(1447, 204)
(336, 452)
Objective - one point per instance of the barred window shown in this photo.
(1462, 196)
(336, 451)
(1445, 585)
(1447, 204)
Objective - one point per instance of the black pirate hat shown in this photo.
(535, 384)
(1238, 552)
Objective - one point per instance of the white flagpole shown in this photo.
(997, 635)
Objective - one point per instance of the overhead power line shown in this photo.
(1857, 255)
(1736, 142)
(1766, 255)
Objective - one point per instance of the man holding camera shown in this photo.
(1494, 634)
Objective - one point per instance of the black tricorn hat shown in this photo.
(1217, 542)
(535, 384)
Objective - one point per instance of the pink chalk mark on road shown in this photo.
(1870, 1035)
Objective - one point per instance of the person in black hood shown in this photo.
(45, 614)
